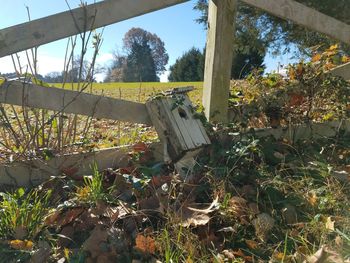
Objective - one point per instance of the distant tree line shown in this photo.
(71, 75)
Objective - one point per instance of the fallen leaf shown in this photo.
(252, 244)
(238, 208)
(52, 218)
(319, 257)
(296, 100)
(329, 224)
(71, 172)
(69, 216)
(21, 244)
(279, 256)
(300, 70)
(292, 73)
(240, 253)
(228, 254)
(312, 198)
(213, 206)
(263, 224)
(333, 47)
(145, 244)
(140, 147)
(191, 216)
(316, 58)
(196, 220)
(97, 236)
(345, 59)
(158, 181)
(150, 203)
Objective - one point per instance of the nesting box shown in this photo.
(174, 119)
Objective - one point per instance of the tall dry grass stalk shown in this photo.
(28, 132)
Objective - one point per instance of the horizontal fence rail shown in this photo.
(68, 101)
(34, 172)
(342, 71)
(305, 16)
(48, 29)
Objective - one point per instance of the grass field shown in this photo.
(139, 92)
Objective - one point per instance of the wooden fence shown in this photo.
(218, 57)
(219, 40)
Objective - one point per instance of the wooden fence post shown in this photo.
(218, 61)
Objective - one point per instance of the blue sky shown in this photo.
(176, 26)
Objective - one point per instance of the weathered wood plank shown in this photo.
(41, 31)
(200, 126)
(33, 172)
(342, 71)
(218, 61)
(176, 126)
(161, 119)
(295, 133)
(305, 16)
(177, 120)
(68, 101)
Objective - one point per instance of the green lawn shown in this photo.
(139, 92)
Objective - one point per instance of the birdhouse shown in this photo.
(175, 121)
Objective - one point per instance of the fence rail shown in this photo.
(68, 101)
(305, 16)
(48, 29)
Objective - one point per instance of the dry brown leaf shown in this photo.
(312, 198)
(71, 172)
(325, 255)
(158, 181)
(345, 59)
(21, 244)
(140, 147)
(333, 47)
(278, 256)
(97, 236)
(263, 224)
(239, 253)
(191, 216)
(330, 224)
(151, 203)
(51, 219)
(300, 70)
(292, 73)
(69, 216)
(316, 58)
(252, 244)
(145, 244)
(196, 220)
(319, 257)
(296, 100)
(213, 206)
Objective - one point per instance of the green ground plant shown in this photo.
(22, 213)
